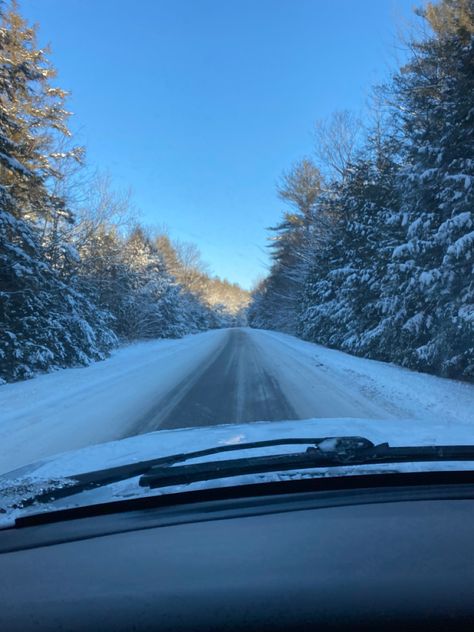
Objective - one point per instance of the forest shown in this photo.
(374, 253)
(79, 274)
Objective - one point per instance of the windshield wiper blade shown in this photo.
(321, 452)
(342, 453)
(78, 483)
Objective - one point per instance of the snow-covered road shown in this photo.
(218, 377)
(254, 376)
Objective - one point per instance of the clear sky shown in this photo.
(199, 105)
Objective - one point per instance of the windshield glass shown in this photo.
(233, 223)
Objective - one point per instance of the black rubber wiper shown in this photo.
(330, 452)
(79, 483)
(320, 452)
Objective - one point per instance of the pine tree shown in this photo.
(44, 322)
(344, 308)
(394, 278)
(38, 121)
(291, 240)
(432, 270)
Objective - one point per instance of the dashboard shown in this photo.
(335, 559)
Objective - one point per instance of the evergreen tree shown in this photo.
(432, 269)
(37, 122)
(393, 278)
(341, 304)
(291, 241)
(44, 322)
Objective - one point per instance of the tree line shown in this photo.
(375, 252)
(78, 273)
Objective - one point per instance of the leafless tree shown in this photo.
(336, 141)
(101, 205)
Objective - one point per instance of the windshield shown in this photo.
(236, 243)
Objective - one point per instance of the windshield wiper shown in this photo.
(78, 483)
(320, 452)
(332, 452)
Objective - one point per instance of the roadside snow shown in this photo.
(73, 408)
(308, 373)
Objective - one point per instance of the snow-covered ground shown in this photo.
(75, 408)
(312, 372)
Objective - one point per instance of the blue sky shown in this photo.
(199, 105)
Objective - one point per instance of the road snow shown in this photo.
(218, 377)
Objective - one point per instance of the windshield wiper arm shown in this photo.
(321, 452)
(343, 453)
(79, 483)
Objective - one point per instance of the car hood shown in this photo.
(23, 483)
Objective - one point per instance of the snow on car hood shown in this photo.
(53, 472)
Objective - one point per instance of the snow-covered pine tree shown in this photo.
(153, 306)
(430, 281)
(44, 322)
(323, 309)
(394, 279)
(360, 247)
(208, 301)
(102, 272)
(276, 301)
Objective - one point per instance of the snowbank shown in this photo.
(73, 408)
(308, 372)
